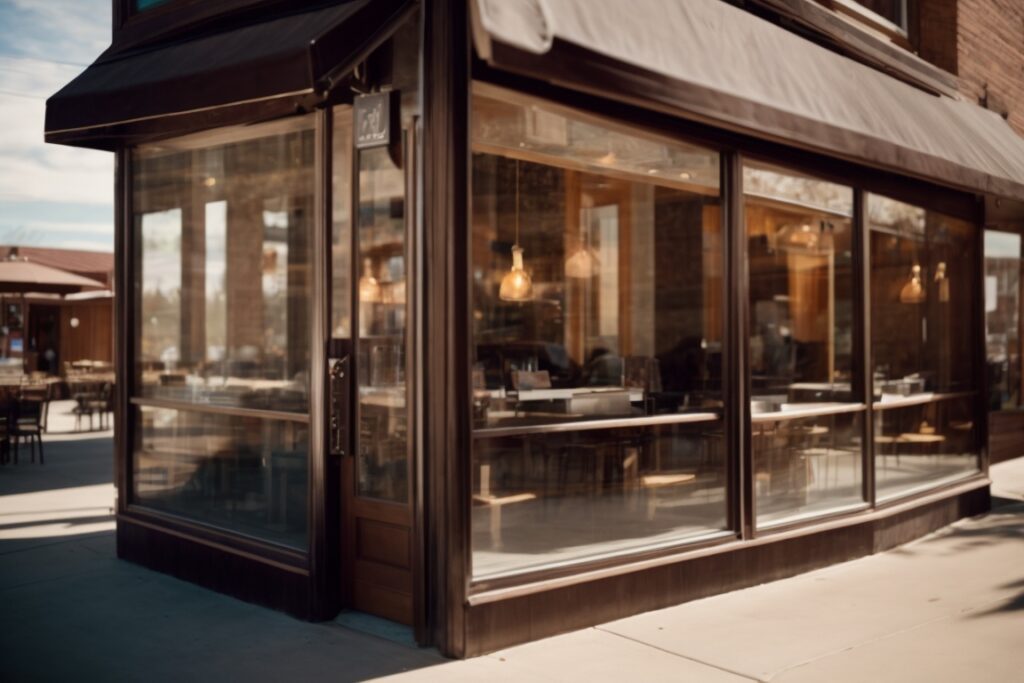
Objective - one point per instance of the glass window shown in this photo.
(922, 301)
(1004, 261)
(243, 473)
(225, 269)
(597, 334)
(223, 225)
(341, 225)
(382, 465)
(805, 411)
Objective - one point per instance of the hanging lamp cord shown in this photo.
(517, 202)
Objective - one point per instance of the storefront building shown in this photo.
(498, 319)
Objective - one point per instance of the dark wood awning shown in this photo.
(247, 72)
(715, 63)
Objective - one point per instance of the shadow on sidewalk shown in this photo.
(70, 461)
(72, 611)
(1014, 604)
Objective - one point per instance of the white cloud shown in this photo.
(67, 227)
(64, 30)
(39, 47)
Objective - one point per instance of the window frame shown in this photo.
(872, 19)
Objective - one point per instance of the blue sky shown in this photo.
(50, 195)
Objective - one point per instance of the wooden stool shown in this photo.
(496, 503)
(659, 482)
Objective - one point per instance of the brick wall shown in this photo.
(935, 23)
(990, 55)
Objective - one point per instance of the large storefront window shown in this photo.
(806, 416)
(597, 329)
(223, 226)
(923, 294)
(1004, 266)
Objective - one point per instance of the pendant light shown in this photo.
(516, 285)
(369, 288)
(913, 292)
(805, 237)
(583, 264)
(942, 282)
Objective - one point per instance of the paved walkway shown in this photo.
(949, 607)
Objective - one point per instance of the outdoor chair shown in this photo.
(5, 434)
(84, 405)
(42, 393)
(102, 404)
(27, 424)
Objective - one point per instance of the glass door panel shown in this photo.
(382, 462)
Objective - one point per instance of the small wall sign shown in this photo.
(376, 116)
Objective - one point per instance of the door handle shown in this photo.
(338, 390)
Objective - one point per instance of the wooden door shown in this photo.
(377, 546)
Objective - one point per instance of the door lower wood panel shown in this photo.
(379, 567)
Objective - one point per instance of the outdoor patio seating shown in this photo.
(25, 422)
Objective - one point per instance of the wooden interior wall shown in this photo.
(93, 339)
(1005, 435)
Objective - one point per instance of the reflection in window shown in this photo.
(341, 225)
(922, 292)
(806, 438)
(225, 279)
(1004, 261)
(216, 281)
(161, 288)
(245, 474)
(382, 464)
(223, 226)
(618, 316)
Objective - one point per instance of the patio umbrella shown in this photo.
(20, 277)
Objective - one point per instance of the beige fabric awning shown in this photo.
(710, 61)
(25, 276)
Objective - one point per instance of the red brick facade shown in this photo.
(990, 55)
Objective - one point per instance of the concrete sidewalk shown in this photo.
(949, 607)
